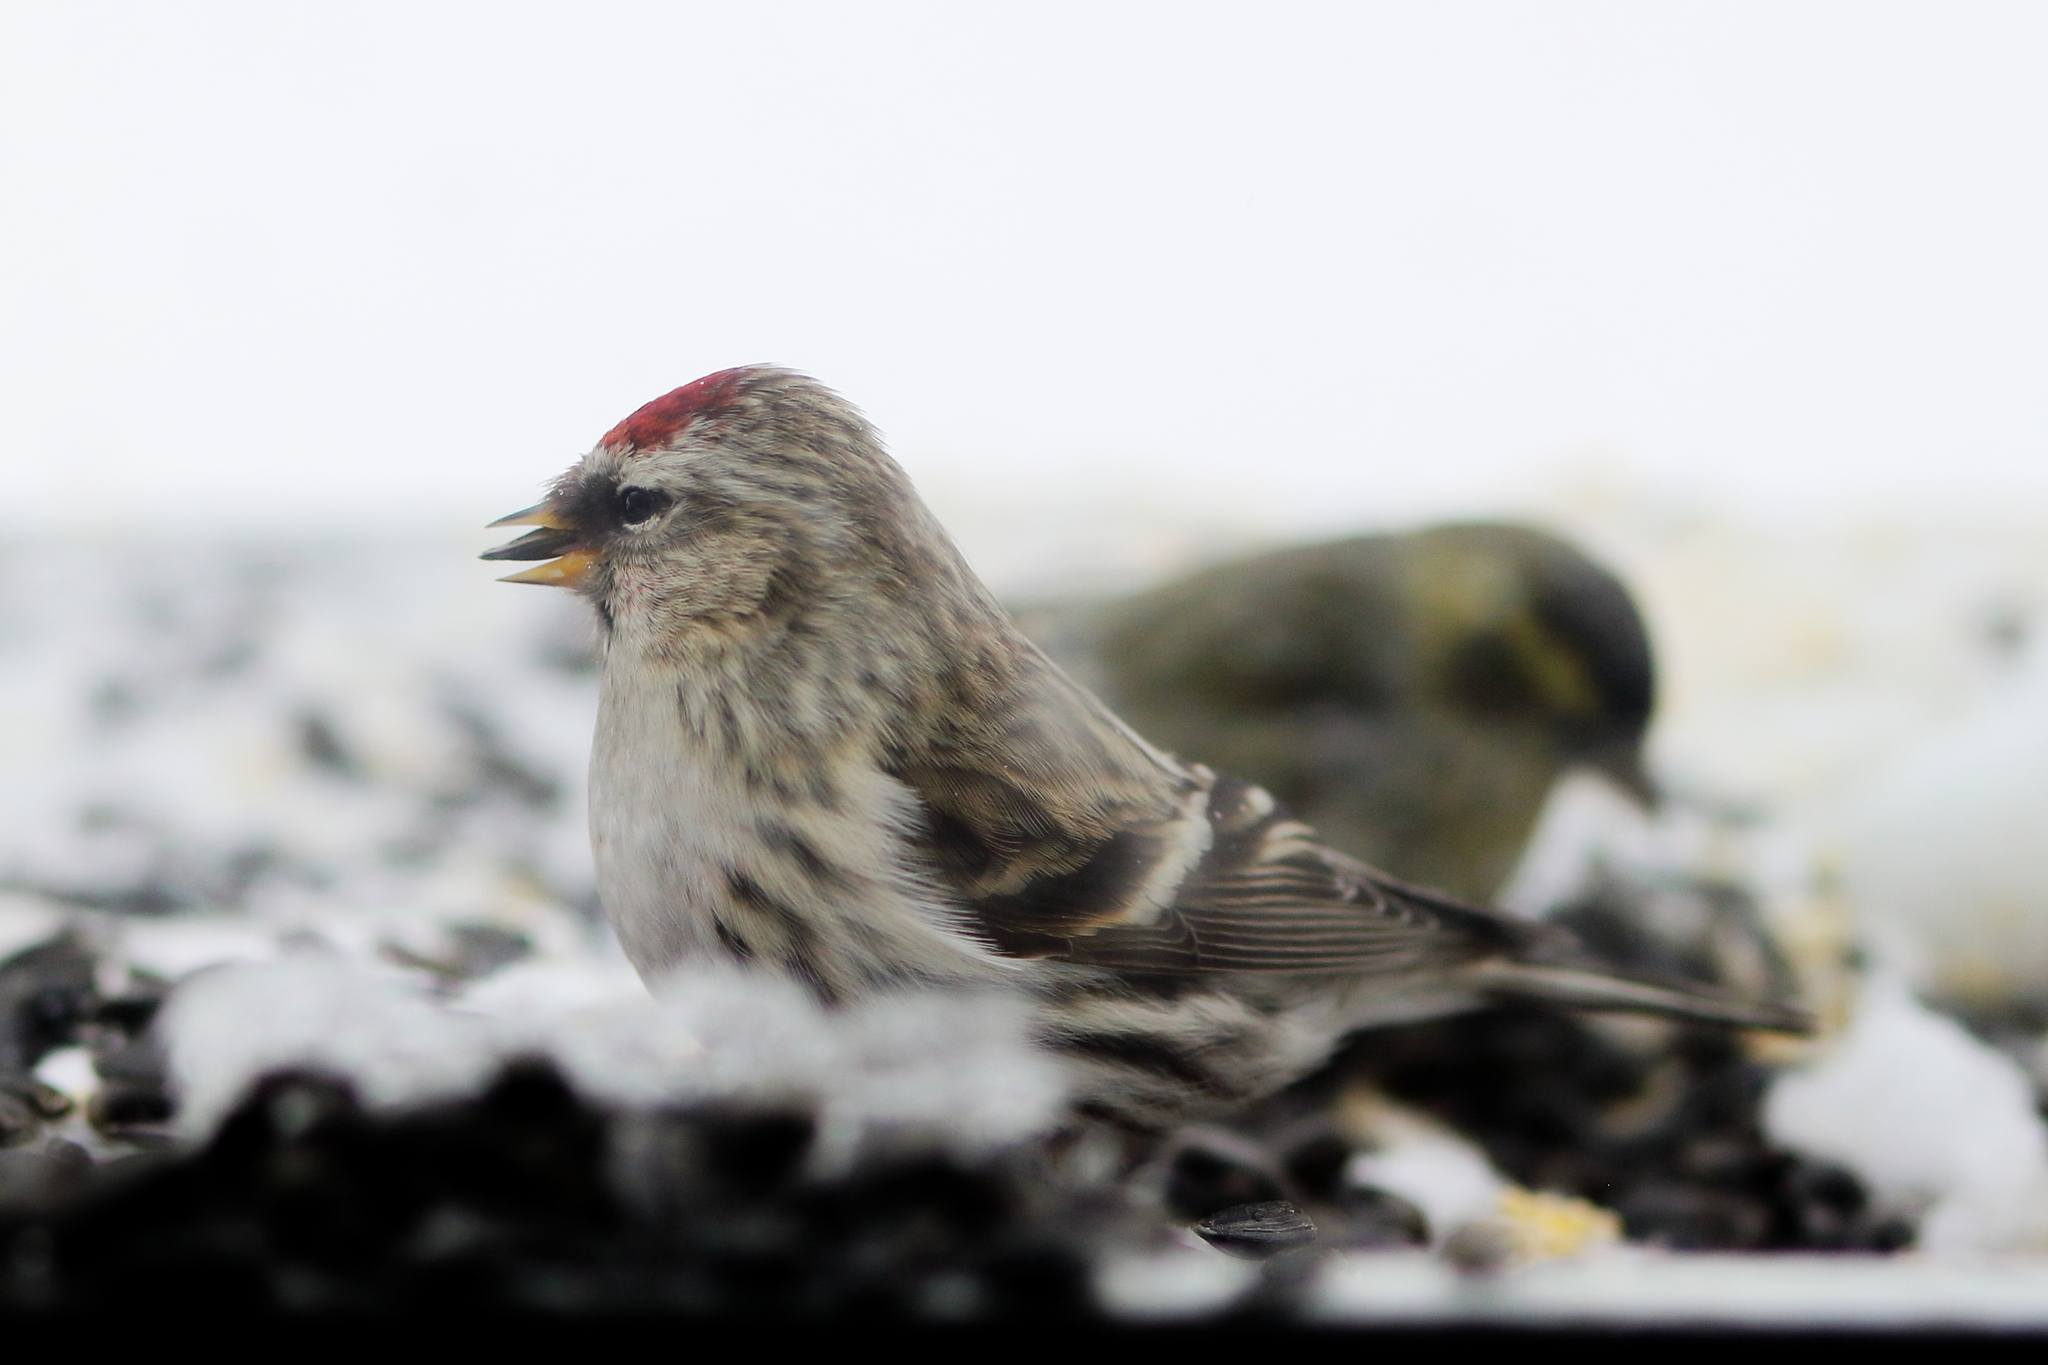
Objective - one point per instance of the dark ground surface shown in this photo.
(526, 1198)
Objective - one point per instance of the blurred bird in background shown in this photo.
(823, 751)
(1414, 696)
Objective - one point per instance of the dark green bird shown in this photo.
(1414, 697)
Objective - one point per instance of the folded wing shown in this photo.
(1268, 898)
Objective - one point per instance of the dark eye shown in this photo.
(638, 504)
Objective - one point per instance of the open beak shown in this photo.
(555, 537)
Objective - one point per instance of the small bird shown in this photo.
(1414, 697)
(824, 751)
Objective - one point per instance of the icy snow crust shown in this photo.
(292, 779)
(958, 1068)
(289, 732)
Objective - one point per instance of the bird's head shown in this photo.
(739, 494)
(1528, 629)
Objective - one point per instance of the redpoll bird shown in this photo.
(824, 751)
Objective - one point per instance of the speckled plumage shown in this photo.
(824, 750)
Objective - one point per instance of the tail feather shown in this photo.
(1593, 990)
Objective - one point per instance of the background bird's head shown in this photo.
(1512, 626)
(738, 498)
(1413, 696)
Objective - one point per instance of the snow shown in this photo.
(1939, 1125)
(957, 1069)
(291, 778)
(1946, 850)
(1434, 1169)
(1636, 1287)
(1188, 1281)
(285, 730)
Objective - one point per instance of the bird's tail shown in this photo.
(1576, 988)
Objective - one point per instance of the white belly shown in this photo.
(694, 865)
(664, 827)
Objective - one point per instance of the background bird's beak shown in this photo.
(1621, 762)
(556, 536)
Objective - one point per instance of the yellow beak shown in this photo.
(555, 537)
(536, 515)
(567, 572)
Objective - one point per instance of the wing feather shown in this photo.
(1268, 898)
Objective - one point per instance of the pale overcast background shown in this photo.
(1750, 299)
(1301, 264)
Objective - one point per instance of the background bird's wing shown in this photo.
(1269, 898)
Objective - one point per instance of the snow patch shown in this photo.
(1936, 1122)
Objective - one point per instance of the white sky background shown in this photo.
(1308, 265)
